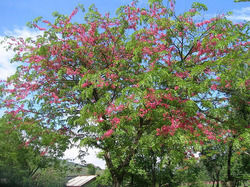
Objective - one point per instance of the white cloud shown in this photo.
(244, 10)
(242, 14)
(72, 155)
(6, 68)
(238, 15)
(23, 33)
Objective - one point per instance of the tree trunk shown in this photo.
(116, 178)
(218, 178)
(213, 179)
(217, 183)
(153, 169)
(229, 158)
(132, 180)
(116, 182)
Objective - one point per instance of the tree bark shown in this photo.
(116, 182)
(229, 158)
(153, 167)
(132, 180)
(218, 179)
(217, 183)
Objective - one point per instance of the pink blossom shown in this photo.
(200, 126)
(73, 13)
(27, 143)
(115, 121)
(172, 5)
(84, 85)
(108, 133)
(143, 12)
(218, 78)
(120, 108)
(158, 131)
(214, 87)
(43, 153)
(131, 96)
(100, 119)
(228, 85)
(136, 101)
(45, 21)
(54, 96)
(211, 137)
(198, 24)
(40, 28)
(100, 85)
(192, 10)
(109, 110)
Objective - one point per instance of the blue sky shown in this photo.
(15, 14)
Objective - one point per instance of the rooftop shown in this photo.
(80, 180)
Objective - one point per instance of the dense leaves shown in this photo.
(22, 163)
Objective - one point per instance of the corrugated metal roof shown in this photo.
(80, 180)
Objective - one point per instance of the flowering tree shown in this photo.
(111, 81)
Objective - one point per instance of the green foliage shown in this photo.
(104, 179)
(22, 164)
(91, 169)
(241, 1)
(199, 6)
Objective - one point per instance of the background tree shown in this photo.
(91, 169)
(213, 158)
(25, 163)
